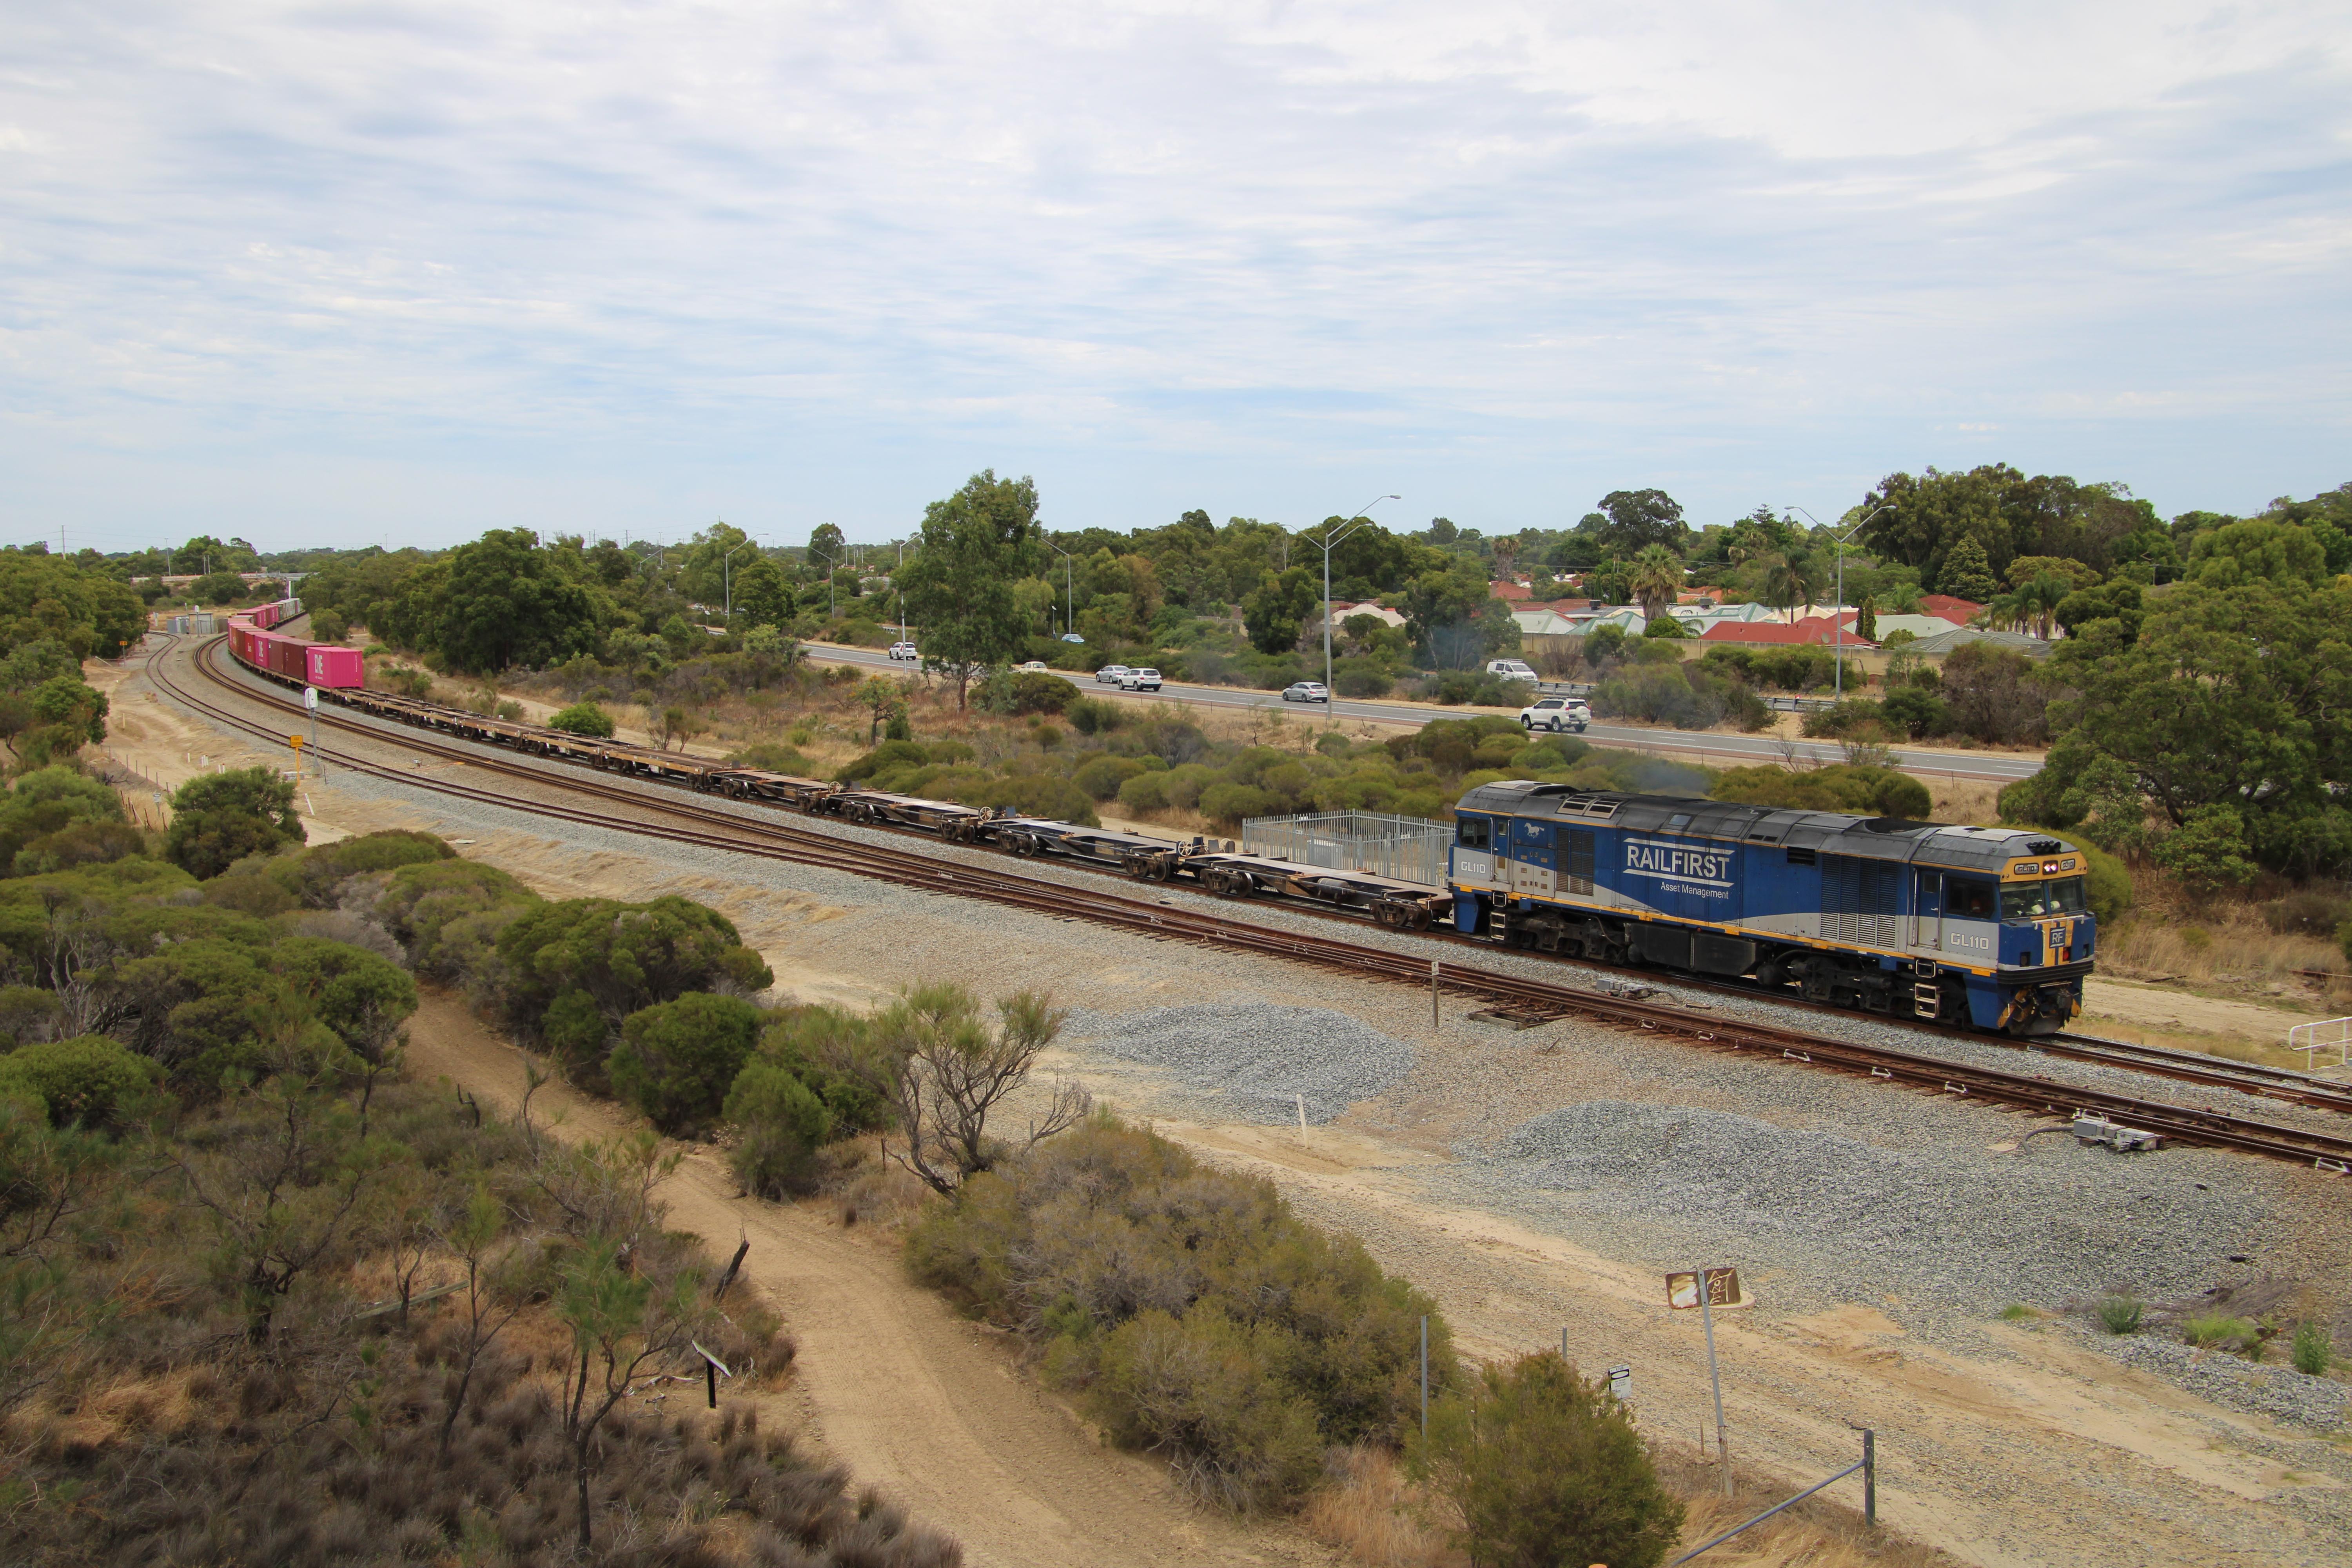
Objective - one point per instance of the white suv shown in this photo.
(1110, 675)
(1510, 670)
(903, 650)
(1556, 714)
(1140, 680)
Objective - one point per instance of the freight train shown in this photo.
(1974, 927)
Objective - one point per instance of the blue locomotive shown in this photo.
(1977, 926)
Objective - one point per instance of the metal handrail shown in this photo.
(2312, 1044)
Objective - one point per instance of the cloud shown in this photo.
(835, 256)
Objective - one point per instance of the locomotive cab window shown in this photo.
(2025, 901)
(1470, 833)
(1968, 900)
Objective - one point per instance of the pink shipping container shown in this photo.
(264, 615)
(338, 669)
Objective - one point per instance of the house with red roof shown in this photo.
(1944, 607)
(1776, 634)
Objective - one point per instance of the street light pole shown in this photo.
(1331, 538)
(828, 560)
(1069, 587)
(1838, 546)
(727, 577)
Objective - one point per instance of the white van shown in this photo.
(1510, 670)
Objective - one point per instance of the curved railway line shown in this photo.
(686, 820)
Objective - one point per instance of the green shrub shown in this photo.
(1843, 786)
(316, 876)
(2206, 1328)
(1546, 1468)
(218, 819)
(1145, 793)
(583, 718)
(79, 844)
(1102, 777)
(1210, 1392)
(889, 754)
(27, 1012)
(832, 1052)
(1197, 1314)
(1856, 718)
(2314, 1354)
(85, 1079)
(780, 1122)
(326, 626)
(575, 1030)
(1917, 711)
(448, 914)
(626, 957)
(1229, 804)
(677, 1060)
(362, 998)
(2120, 1315)
(1093, 716)
(1025, 691)
(1361, 678)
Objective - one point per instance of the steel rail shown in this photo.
(781, 841)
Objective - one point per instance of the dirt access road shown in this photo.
(888, 1381)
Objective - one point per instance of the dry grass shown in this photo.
(1368, 1509)
(2226, 947)
(1972, 802)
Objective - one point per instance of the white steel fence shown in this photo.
(1409, 848)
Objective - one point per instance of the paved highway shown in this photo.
(1713, 749)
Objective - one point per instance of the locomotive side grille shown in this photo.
(1861, 900)
(1580, 862)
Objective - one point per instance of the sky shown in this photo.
(332, 273)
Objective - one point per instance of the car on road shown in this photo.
(1073, 637)
(1110, 675)
(1307, 691)
(1037, 665)
(1140, 680)
(903, 650)
(1510, 670)
(1556, 714)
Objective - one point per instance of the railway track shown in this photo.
(686, 820)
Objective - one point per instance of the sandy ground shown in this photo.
(932, 1409)
(2166, 1007)
(2020, 1446)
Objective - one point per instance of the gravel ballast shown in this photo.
(1852, 1219)
(1259, 1059)
(2279, 1393)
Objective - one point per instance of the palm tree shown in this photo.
(1790, 579)
(1658, 576)
(2039, 600)
(1812, 576)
